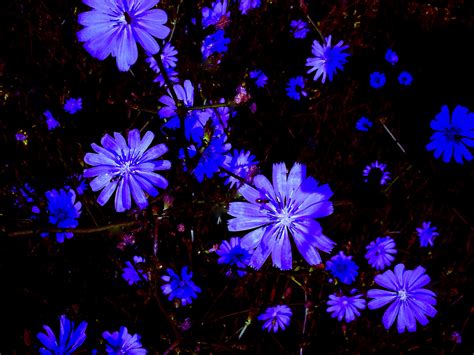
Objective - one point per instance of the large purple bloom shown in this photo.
(289, 206)
(115, 26)
(410, 302)
(68, 341)
(127, 168)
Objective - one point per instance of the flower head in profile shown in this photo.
(427, 234)
(276, 212)
(295, 88)
(214, 43)
(276, 318)
(391, 56)
(241, 164)
(343, 268)
(453, 134)
(232, 253)
(363, 124)
(63, 211)
(327, 59)
(380, 252)
(245, 5)
(378, 171)
(180, 287)
(131, 273)
(217, 15)
(73, 105)
(212, 158)
(346, 307)
(127, 168)
(68, 341)
(377, 80)
(115, 26)
(405, 78)
(299, 28)
(122, 342)
(409, 301)
(50, 121)
(259, 78)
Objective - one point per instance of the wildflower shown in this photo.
(273, 212)
(50, 121)
(73, 106)
(259, 77)
(245, 5)
(295, 88)
(379, 252)
(409, 301)
(363, 124)
(327, 59)
(452, 134)
(128, 168)
(456, 337)
(377, 80)
(405, 78)
(217, 15)
(242, 95)
(180, 287)
(346, 307)
(376, 168)
(122, 342)
(69, 340)
(214, 43)
(241, 164)
(232, 253)
(343, 268)
(276, 318)
(299, 28)
(21, 136)
(168, 58)
(391, 56)
(63, 211)
(115, 26)
(212, 158)
(172, 75)
(427, 234)
(131, 274)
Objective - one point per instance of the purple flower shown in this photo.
(69, 339)
(180, 287)
(299, 28)
(127, 168)
(346, 307)
(405, 78)
(63, 211)
(168, 57)
(295, 88)
(123, 343)
(245, 5)
(232, 253)
(276, 318)
(289, 206)
(130, 272)
(391, 56)
(241, 164)
(377, 80)
(343, 268)
(212, 158)
(363, 124)
(409, 301)
(21, 136)
(217, 15)
(327, 60)
(214, 43)
(376, 168)
(380, 252)
(115, 26)
(259, 77)
(73, 105)
(427, 234)
(172, 75)
(50, 121)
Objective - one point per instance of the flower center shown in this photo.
(125, 168)
(127, 17)
(284, 217)
(452, 134)
(402, 294)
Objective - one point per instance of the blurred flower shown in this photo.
(299, 28)
(363, 124)
(212, 158)
(345, 307)
(409, 301)
(214, 43)
(273, 212)
(21, 136)
(327, 59)
(127, 168)
(123, 343)
(68, 341)
(130, 273)
(180, 287)
(245, 5)
(405, 78)
(73, 105)
(452, 134)
(50, 120)
(63, 211)
(377, 80)
(115, 26)
(391, 57)
(295, 88)
(242, 96)
(343, 268)
(427, 234)
(233, 254)
(379, 252)
(168, 57)
(276, 318)
(241, 164)
(259, 78)
(378, 168)
(217, 15)
(456, 337)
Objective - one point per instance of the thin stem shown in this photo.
(316, 28)
(382, 119)
(204, 107)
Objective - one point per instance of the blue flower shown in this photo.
(128, 168)
(131, 273)
(63, 211)
(21, 136)
(380, 252)
(374, 169)
(69, 339)
(377, 80)
(410, 302)
(115, 26)
(452, 134)
(180, 287)
(427, 234)
(217, 15)
(259, 78)
(346, 307)
(220, 117)
(172, 75)
(363, 124)
(327, 59)
(168, 57)
(50, 121)
(214, 43)
(343, 268)
(73, 105)
(276, 318)
(295, 88)
(241, 164)
(274, 212)
(299, 28)
(405, 78)
(123, 343)
(245, 5)
(233, 254)
(212, 158)
(391, 57)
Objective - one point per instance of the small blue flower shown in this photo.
(346, 307)
(427, 234)
(123, 343)
(405, 78)
(391, 57)
(295, 88)
(172, 75)
(363, 124)
(212, 158)
(452, 134)
(259, 78)
(380, 252)
(168, 57)
(245, 5)
(69, 339)
(180, 287)
(299, 28)
(276, 318)
(216, 15)
(50, 121)
(21, 136)
(73, 105)
(374, 169)
(214, 43)
(234, 254)
(377, 80)
(343, 268)
(241, 164)
(63, 211)
(131, 273)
